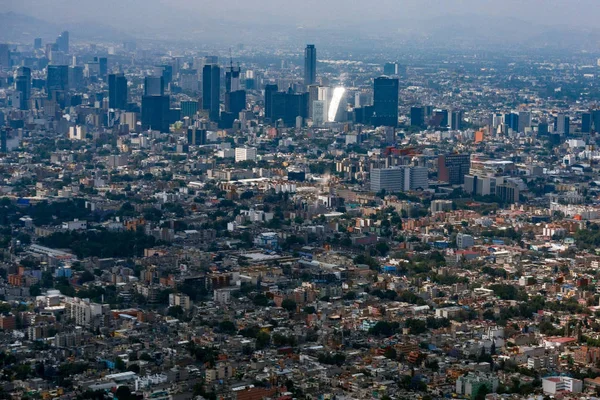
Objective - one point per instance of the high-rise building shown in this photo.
(417, 116)
(524, 121)
(511, 121)
(103, 67)
(23, 86)
(211, 90)
(390, 134)
(596, 120)
(310, 65)
(456, 121)
(62, 42)
(57, 79)
(586, 122)
(452, 168)
(37, 43)
(154, 86)
(75, 77)
(385, 102)
(155, 113)
(313, 95)
(440, 118)
(561, 124)
(289, 105)
(196, 136)
(245, 154)
(189, 108)
(399, 179)
(390, 68)
(4, 56)
(235, 101)
(269, 91)
(117, 91)
(232, 79)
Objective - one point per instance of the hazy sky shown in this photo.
(583, 13)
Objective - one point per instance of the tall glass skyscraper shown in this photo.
(310, 65)
(211, 90)
(385, 102)
(117, 91)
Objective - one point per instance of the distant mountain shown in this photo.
(19, 28)
(450, 31)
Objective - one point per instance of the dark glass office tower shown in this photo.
(385, 102)
(289, 105)
(62, 42)
(586, 122)
(235, 102)
(189, 108)
(196, 136)
(232, 79)
(155, 113)
(269, 90)
(103, 67)
(310, 65)
(57, 79)
(211, 90)
(417, 116)
(23, 86)
(117, 91)
(154, 86)
(456, 120)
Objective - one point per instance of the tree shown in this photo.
(175, 312)
(289, 305)
(390, 353)
(263, 339)
(120, 364)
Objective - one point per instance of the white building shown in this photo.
(77, 132)
(245, 154)
(399, 179)
(75, 225)
(555, 384)
(222, 296)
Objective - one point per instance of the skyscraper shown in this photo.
(586, 122)
(417, 116)
(561, 124)
(57, 79)
(103, 66)
(154, 86)
(23, 86)
(232, 79)
(452, 168)
(385, 101)
(62, 42)
(37, 43)
(269, 91)
(155, 113)
(235, 102)
(117, 91)
(390, 68)
(4, 56)
(189, 108)
(211, 90)
(310, 65)
(456, 120)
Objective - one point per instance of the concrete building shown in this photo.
(245, 154)
(399, 179)
(464, 241)
(470, 385)
(556, 384)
